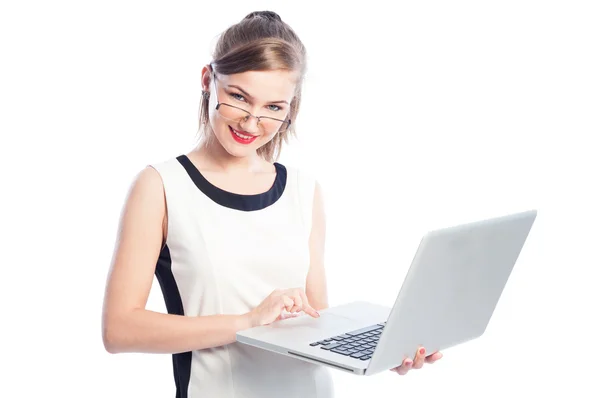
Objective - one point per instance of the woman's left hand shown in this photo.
(417, 363)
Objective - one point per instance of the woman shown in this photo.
(234, 238)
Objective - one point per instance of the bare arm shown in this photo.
(316, 284)
(126, 325)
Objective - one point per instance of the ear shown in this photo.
(206, 77)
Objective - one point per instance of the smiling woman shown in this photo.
(234, 238)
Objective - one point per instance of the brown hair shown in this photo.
(260, 42)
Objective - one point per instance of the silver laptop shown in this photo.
(448, 297)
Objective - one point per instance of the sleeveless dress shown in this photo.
(224, 254)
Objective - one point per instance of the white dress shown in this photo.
(224, 254)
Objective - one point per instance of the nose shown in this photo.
(250, 125)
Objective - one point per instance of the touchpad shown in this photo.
(326, 321)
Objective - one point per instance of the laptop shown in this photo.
(447, 298)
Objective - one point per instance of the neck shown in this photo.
(217, 157)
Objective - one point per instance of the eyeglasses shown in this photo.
(267, 124)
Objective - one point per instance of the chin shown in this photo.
(239, 150)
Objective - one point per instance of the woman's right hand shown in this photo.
(271, 308)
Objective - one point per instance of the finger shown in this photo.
(419, 358)
(297, 302)
(286, 316)
(295, 295)
(307, 307)
(288, 303)
(403, 369)
(436, 356)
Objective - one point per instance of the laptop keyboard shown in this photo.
(358, 344)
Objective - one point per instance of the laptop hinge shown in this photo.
(321, 361)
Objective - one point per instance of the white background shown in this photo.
(415, 116)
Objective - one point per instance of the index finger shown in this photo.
(306, 307)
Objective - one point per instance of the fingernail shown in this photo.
(409, 363)
(422, 351)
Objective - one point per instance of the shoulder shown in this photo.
(304, 177)
(145, 201)
(166, 166)
(308, 187)
(149, 182)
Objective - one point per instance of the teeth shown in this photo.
(246, 137)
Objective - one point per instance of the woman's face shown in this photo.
(259, 93)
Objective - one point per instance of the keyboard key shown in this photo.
(338, 338)
(364, 330)
(314, 344)
(357, 355)
(330, 346)
(364, 358)
(338, 351)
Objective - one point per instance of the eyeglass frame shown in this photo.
(258, 118)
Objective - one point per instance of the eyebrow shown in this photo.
(248, 95)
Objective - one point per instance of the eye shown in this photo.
(274, 108)
(237, 96)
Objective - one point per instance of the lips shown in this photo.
(241, 136)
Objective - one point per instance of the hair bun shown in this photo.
(269, 15)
